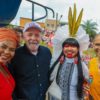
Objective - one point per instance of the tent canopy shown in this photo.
(8, 11)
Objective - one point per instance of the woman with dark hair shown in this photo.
(70, 73)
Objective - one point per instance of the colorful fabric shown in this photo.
(54, 90)
(8, 34)
(63, 79)
(7, 85)
(94, 79)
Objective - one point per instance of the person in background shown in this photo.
(94, 70)
(8, 44)
(31, 65)
(19, 31)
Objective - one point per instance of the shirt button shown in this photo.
(38, 75)
(37, 65)
(40, 85)
(40, 94)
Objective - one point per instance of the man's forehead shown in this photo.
(97, 41)
(97, 38)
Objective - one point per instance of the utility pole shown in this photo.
(60, 19)
(56, 21)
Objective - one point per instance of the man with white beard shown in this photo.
(31, 65)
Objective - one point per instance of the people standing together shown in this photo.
(31, 72)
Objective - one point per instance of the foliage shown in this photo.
(44, 44)
(10, 26)
(90, 52)
(90, 27)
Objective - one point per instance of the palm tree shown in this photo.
(90, 27)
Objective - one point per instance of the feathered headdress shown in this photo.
(73, 22)
(72, 30)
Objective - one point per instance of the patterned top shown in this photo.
(67, 80)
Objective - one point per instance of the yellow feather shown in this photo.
(74, 21)
(78, 21)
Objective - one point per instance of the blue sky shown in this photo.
(91, 9)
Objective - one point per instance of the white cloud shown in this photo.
(15, 22)
(91, 8)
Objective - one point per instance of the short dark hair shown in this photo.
(71, 41)
(18, 29)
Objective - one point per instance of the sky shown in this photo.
(91, 9)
